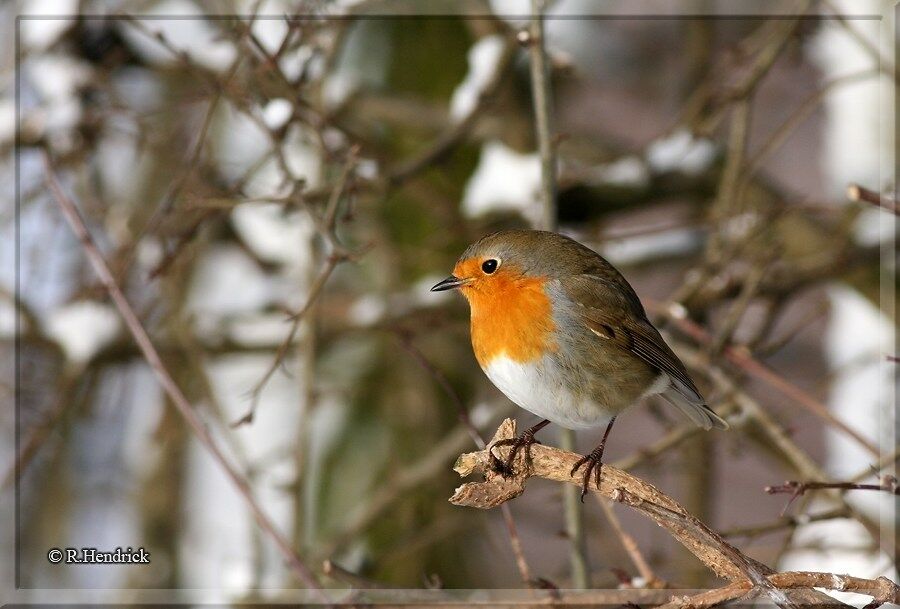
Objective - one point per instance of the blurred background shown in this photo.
(334, 160)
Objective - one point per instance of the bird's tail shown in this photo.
(698, 412)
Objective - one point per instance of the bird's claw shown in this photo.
(505, 468)
(594, 464)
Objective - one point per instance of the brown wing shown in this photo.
(618, 316)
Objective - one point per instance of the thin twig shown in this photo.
(463, 413)
(70, 211)
(540, 92)
(336, 255)
(775, 436)
(742, 359)
(856, 193)
(796, 488)
(882, 589)
(885, 461)
(786, 522)
(631, 548)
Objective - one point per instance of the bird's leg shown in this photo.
(526, 439)
(594, 462)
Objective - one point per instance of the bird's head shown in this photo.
(500, 261)
(488, 266)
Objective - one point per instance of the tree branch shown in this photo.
(857, 193)
(70, 211)
(796, 488)
(882, 589)
(553, 464)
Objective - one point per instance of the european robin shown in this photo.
(562, 333)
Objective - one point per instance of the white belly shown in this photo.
(537, 388)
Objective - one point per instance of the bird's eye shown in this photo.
(489, 266)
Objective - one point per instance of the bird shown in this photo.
(561, 332)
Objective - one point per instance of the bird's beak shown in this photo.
(450, 283)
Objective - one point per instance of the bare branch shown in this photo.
(463, 413)
(337, 254)
(856, 193)
(745, 361)
(631, 547)
(796, 488)
(553, 464)
(882, 589)
(70, 211)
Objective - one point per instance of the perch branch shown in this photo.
(882, 589)
(187, 411)
(553, 464)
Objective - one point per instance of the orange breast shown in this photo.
(511, 316)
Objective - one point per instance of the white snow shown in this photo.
(141, 448)
(858, 337)
(197, 37)
(150, 252)
(271, 234)
(503, 180)
(859, 334)
(228, 282)
(367, 310)
(82, 328)
(628, 171)
(7, 121)
(836, 546)
(632, 250)
(367, 169)
(682, 152)
(259, 329)
(294, 62)
(277, 112)
(483, 58)
(120, 165)
(57, 78)
(41, 33)
(301, 156)
(363, 62)
(240, 142)
(852, 149)
(271, 32)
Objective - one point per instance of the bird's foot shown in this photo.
(505, 468)
(594, 461)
